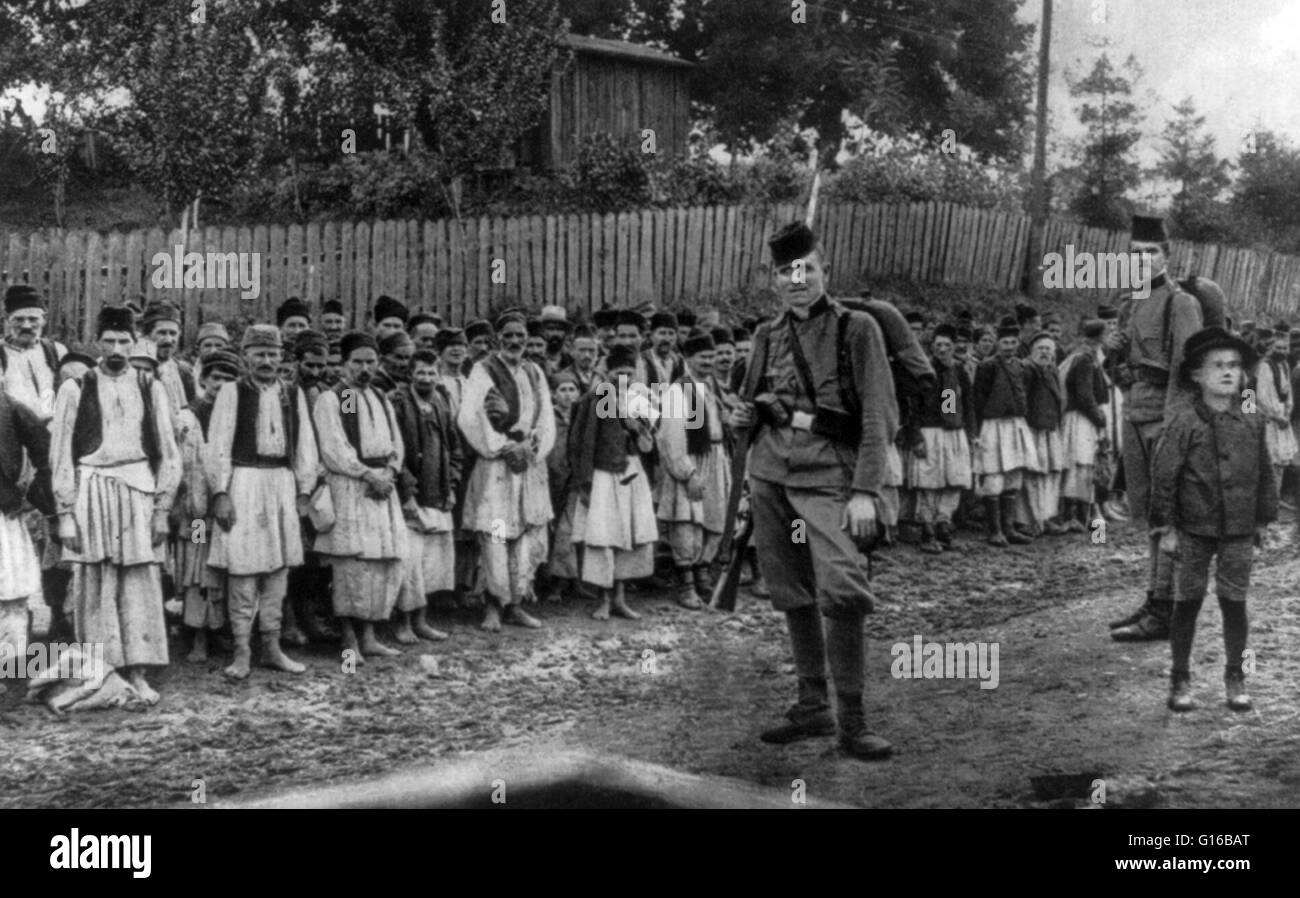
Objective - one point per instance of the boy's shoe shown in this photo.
(1180, 693)
(1148, 628)
(1234, 682)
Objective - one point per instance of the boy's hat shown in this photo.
(1207, 339)
(946, 331)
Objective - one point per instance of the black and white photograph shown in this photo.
(651, 404)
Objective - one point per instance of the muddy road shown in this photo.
(692, 690)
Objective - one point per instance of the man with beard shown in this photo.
(332, 322)
(423, 328)
(29, 362)
(116, 468)
(480, 336)
(262, 464)
(555, 328)
(692, 493)
(292, 317)
(1153, 331)
(628, 332)
(819, 457)
(361, 446)
(507, 419)
(939, 468)
(203, 587)
(428, 492)
(663, 364)
(535, 346)
(395, 352)
(390, 317)
(333, 372)
(586, 353)
(161, 324)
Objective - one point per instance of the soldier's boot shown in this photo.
(1152, 626)
(928, 544)
(1234, 684)
(855, 737)
(809, 718)
(1007, 503)
(1136, 615)
(944, 535)
(684, 586)
(274, 657)
(993, 522)
(1180, 692)
(703, 578)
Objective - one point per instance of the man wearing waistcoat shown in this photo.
(116, 468)
(262, 465)
(808, 466)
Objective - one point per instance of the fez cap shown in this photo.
(1149, 229)
(721, 334)
(739, 334)
(293, 307)
(584, 332)
(914, 318)
(114, 318)
(1008, 330)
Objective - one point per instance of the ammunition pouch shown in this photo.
(837, 425)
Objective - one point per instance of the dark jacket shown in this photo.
(433, 455)
(1211, 475)
(557, 463)
(1085, 388)
(596, 442)
(21, 430)
(930, 410)
(999, 389)
(1043, 399)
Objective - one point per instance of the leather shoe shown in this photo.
(800, 726)
(867, 746)
(1180, 694)
(1147, 629)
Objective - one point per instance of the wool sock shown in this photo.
(1235, 630)
(1182, 631)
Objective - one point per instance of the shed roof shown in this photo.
(600, 46)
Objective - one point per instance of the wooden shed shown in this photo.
(617, 88)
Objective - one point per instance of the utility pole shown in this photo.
(1038, 221)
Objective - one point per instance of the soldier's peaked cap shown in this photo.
(1149, 229)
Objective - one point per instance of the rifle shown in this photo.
(724, 591)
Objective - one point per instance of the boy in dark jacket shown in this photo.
(1213, 490)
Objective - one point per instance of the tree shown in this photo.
(1189, 160)
(1266, 197)
(1107, 170)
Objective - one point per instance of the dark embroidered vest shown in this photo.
(504, 381)
(243, 453)
(202, 410)
(352, 426)
(88, 428)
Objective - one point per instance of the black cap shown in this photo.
(794, 241)
(387, 307)
(293, 307)
(697, 341)
(448, 336)
(1149, 229)
(663, 319)
(114, 318)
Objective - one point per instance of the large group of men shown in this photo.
(309, 481)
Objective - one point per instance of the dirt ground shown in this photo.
(1069, 701)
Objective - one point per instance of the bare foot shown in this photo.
(492, 619)
(146, 691)
(516, 615)
(619, 607)
(405, 635)
(199, 652)
(240, 667)
(370, 644)
(275, 658)
(602, 610)
(424, 631)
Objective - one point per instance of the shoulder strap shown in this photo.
(844, 366)
(801, 368)
(51, 355)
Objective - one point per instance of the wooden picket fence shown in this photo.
(671, 257)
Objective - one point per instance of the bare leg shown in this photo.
(492, 615)
(199, 652)
(274, 657)
(620, 606)
(423, 629)
(602, 610)
(405, 635)
(349, 628)
(370, 644)
(137, 681)
(243, 660)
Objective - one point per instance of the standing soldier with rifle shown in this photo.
(819, 393)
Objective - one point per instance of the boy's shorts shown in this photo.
(1231, 573)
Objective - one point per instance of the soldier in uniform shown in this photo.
(1152, 333)
(819, 456)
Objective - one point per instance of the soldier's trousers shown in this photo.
(1139, 452)
(796, 529)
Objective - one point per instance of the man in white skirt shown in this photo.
(361, 448)
(1004, 449)
(940, 468)
(203, 587)
(23, 436)
(116, 467)
(692, 494)
(613, 515)
(428, 491)
(1085, 424)
(262, 465)
(1274, 399)
(507, 419)
(1044, 405)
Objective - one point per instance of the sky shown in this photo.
(1239, 61)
